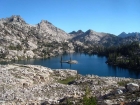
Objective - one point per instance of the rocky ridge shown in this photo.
(38, 85)
(19, 40)
(94, 37)
(123, 34)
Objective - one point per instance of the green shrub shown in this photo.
(88, 99)
(122, 83)
(67, 80)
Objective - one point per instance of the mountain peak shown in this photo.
(45, 21)
(79, 31)
(15, 18)
(123, 34)
(89, 31)
(73, 32)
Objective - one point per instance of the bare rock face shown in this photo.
(13, 18)
(65, 73)
(19, 81)
(29, 54)
(41, 40)
(58, 34)
(34, 84)
(26, 84)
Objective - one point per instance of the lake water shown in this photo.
(87, 64)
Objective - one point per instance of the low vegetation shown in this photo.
(88, 99)
(68, 80)
(122, 83)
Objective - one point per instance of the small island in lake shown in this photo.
(69, 61)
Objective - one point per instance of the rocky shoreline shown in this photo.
(38, 85)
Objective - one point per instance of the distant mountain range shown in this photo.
(105, 38)
(94, 37)
(124, 35)
(20, 40)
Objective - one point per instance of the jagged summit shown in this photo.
(79, 31)
(92, 32)
(43, 29)
(13, 18)
(94, 37)
(19, 40)
(124, 35)
(73, 32)
(76, 32)
(46, 27)
(45, 21)
(89, 31)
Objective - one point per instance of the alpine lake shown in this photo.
(87, 64)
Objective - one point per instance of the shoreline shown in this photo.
(122, 66)
(41, 59)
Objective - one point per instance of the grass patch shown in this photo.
(67, 80)
(122, 83)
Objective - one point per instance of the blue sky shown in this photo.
(111, 16)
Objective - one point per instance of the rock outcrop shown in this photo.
(132, 87)
(19, 40)
(34, 84)
(55, 33)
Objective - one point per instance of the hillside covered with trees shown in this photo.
(127, 56)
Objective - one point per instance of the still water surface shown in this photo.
(87, 64)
